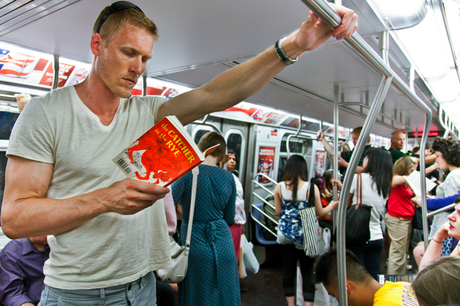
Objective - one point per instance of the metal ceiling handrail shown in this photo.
(296, 135)
(346, 104)
(203, 122)
(356, 42)
(445, 208)
(358, 45)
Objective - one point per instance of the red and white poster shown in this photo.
(159, 88)
(256, 113)
(22, 66)
(320, 162)
(265, 162)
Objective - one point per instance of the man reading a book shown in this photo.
(104, 230)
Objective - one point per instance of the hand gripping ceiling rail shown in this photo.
(323, 10)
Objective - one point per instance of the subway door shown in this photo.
(303, 147)
(263, 155)
(236, 136)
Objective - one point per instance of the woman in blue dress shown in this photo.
(212, 276)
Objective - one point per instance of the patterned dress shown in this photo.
(290, 224)
(212, 276)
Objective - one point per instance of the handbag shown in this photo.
(358, 218)
(313, 242)
(179, 254)
(250, 261)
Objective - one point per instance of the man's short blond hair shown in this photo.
(117, 20)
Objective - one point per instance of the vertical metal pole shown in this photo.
(411, 78)
(426, 129)
(144, 85)
(384, 38)
(335, 164)
(55, 71)
(342, 210)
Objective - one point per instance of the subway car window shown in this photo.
(295, 145)
(282, 165)
(199, 134)
(7, 120)
(234, 142)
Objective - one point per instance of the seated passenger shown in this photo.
(449, 229)
(439, 283)
(21, 271)
(432, 204)
(362, 288)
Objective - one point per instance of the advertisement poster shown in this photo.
(265, 162)
(22, 67)
(320, 162)
(159, 88)
(257, 113)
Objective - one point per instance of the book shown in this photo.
(161, 155)
(413, 180)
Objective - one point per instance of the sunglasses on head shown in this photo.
(116, 7)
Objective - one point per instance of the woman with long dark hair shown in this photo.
(291, 197)
(376, 187)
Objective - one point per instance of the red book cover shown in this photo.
(162, 155)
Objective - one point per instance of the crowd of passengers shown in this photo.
(97, 238)
(215, 256)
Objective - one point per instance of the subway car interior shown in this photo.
(398, 72)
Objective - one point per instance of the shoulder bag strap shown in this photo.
(195, 172)
(359, 197)
(312, 195)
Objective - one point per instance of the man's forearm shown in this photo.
(329, 149)
(229, 88)
(35, 217)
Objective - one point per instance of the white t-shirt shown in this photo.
(111, 249)
(240, 215)
(371, 197)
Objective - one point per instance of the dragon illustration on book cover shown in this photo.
(154, 160)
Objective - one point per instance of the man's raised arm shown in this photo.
(244, 80)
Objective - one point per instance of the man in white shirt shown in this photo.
(105, 233)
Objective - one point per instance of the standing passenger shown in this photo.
(397, 141)
(212, 275)
(105, 233)
(291, 197)
(345, 157)
(398, 218)
(375, 188)
(240, 216)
